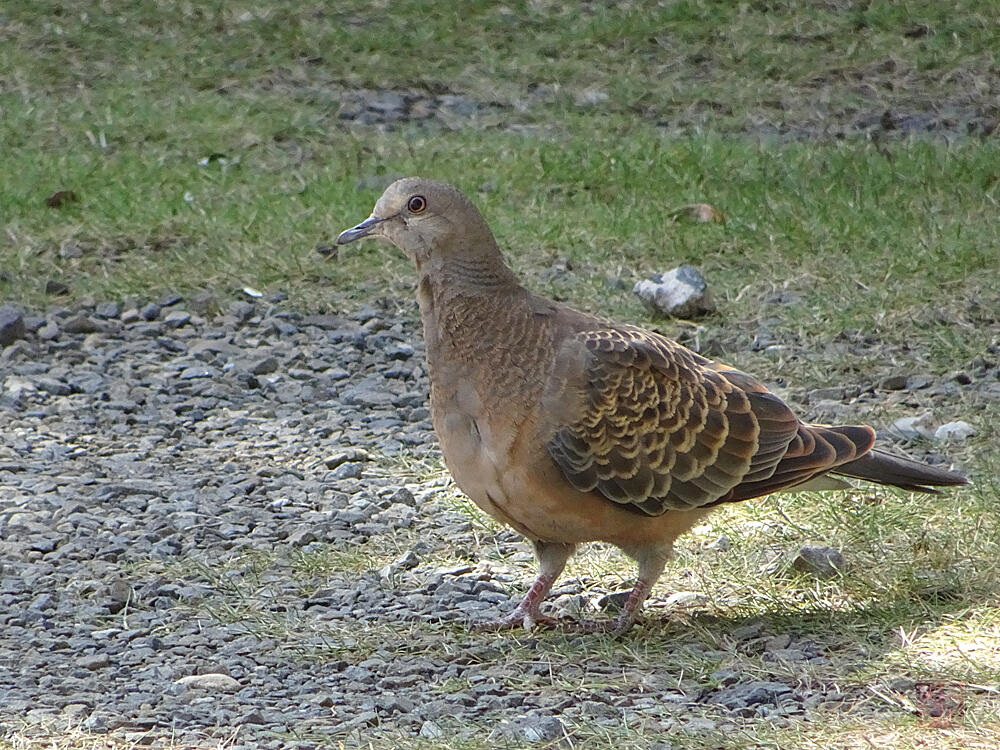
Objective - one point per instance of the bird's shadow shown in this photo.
(837, 658)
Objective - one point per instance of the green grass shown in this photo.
(891, 241)
(164, 85)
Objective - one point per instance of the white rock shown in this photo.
(213, 681)
(682, 293)
(914, 427)
(954, 431)
(430, 731)
(685, 599)
(15, 385)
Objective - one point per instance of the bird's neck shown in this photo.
(470, 309)
(468, 272)
(447, 280)
(478, 276)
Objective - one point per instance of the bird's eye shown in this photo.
(416, 204)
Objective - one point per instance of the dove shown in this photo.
(571, 428)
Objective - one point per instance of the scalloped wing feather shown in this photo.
(658, 427)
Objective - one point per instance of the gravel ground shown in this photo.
(136, 439)
(392, 108)
(239, 520)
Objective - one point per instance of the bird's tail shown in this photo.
(885, 468)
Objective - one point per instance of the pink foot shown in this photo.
(520, 618)
(627, 618)
(527, 614)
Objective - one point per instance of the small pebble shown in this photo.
(955, 431)
(822, 562)
(213, 682)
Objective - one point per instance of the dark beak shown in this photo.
(364, 229)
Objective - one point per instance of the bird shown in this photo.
(571, 428)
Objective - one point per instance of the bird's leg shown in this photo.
(652, 561)
(552, 559)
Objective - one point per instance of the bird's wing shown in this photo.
(656, 426)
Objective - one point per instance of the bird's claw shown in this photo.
(531, 621)
(520, 618)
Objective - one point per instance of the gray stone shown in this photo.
(205, 302)
(398, 351)
(198, 371)
(11, 325)
(406, 561)
(402, 496)
(81, 323)
(177, 318)
(368, 397)
(281, 327)
(780, 641)
(386, 102)
(459, 104)
(353, 455)
(682, 293)
(348, 471)
(698, 725)
(568, 605)
(213, 682)
(614, 601)
(792, 655)
(108, 310)
(150, 312)
(430, 731)
(686, 599)
(532, 729)
(726, 677)
(825, 394)
(893, 383)
(590, 97)
(264, 365)
(53, 386)
(252, 717)
(918, 382)
(902, 684)
(722, 544)
(56, 288)
(96, 722)
(301, 537)
(750, 694)
(822, 562)
(242, 310)
(94, 661)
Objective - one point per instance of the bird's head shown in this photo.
(428, 220)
